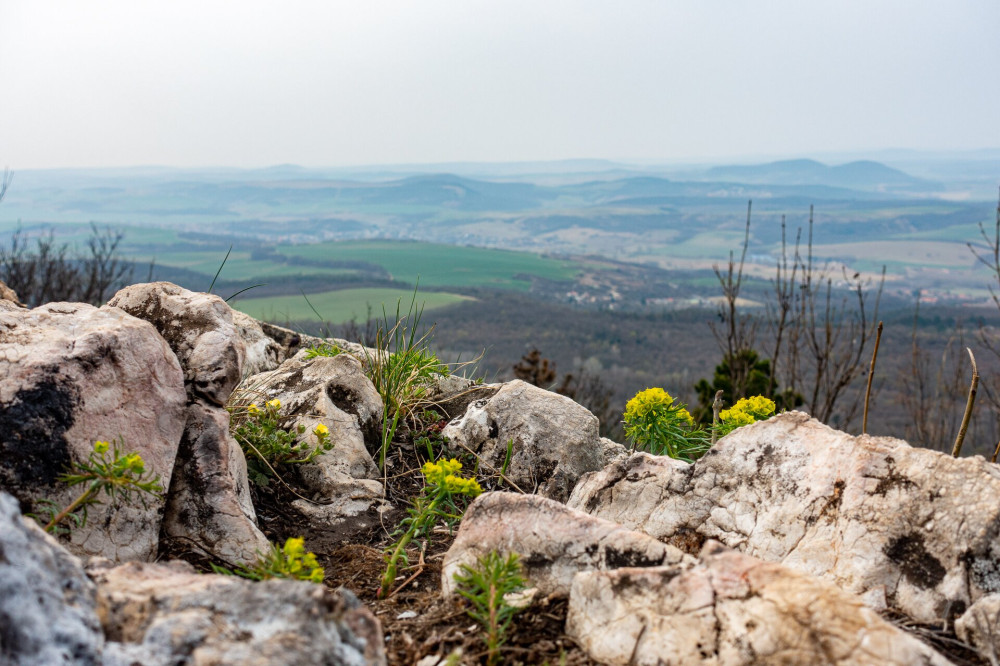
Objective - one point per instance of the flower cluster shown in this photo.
(744, 412)
(300, 564)
(444, 476)
(291, 561)
(266, 444)
(655, 422)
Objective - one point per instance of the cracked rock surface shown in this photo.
(344, 483)
(553, 541)
(731, 610)
(909, 528)
(164, 614)
(555, 440)
(72, 374)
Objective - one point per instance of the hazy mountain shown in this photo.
(862, 174)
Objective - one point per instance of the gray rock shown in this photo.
(731, 609)
(198, 327)
(208, 507)
(344, 483)
(70, 375)
(263, 352)
(554, 542)
(47, 606)
(164, 614)
(909, 528)
(555, 440)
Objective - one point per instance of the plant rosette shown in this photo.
(656, 423)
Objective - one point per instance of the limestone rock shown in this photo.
(555, 440)
(343, 482)
(730, 610)
(198, 327)
(163, 614)
(553, 541)
(47, 606)
(209, 507)
(263, 352)
(980, 627)
(9, 295)
(72, 374)
(612, 451)
(911, 528)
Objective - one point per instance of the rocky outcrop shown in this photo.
(208, 505)
(555, 440)
(9, 296)
(263, 352)
(162, 614)
(47, 607)
(731, 609)
(72, 374)
(553, 542)
(979, 626)
(909, 528)
(344, 483)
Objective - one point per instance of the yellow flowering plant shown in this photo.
(289, 561)
(267, 445)
(109, 470)
(744, 412)
(445, 495)
(657, 423)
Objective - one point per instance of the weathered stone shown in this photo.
(553, 541)
(452, 395)
(9, 295)
(163, 614)
(198, 327)
(980, 627)
(47, 606)
(208, 507)
(70, 375)
(912, 528)
(555, 440)
(612, 451)
(731, 609)
(344, 483)
(263, 353)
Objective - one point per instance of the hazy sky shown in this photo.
(252, 83)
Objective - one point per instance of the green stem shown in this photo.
(390, 571)
(95, 486)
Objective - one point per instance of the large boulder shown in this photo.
(554, 542)
(208, 508)
(731, 610)
(47, 604)
(909, 528)
(164, 614)
(263, 352)
(199, 329)
(343, 485)
(72, 374)
(554, 440)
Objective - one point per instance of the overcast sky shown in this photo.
(327, 83)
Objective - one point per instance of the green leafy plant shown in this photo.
(486, 585)
(401, 368)
(443, 500)
(267, 445)
(656, 423)
(744, 412)
(109, 470)
(289, 561)
(323, 349)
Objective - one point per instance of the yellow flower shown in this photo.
(444, 475)
(253, 409)
(101, 447)
(644, 403)
(320, 430)
(294, 547)
(274, 404)
(134, 463)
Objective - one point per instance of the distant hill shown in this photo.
(861, 175)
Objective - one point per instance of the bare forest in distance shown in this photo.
(592, 278)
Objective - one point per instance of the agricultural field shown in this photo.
(340, 306)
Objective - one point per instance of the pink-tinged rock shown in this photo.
(905, 527)
(72, 374)
(731, 610)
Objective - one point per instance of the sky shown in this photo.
(329, 83)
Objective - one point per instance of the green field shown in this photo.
(441, 265)
(339, 306)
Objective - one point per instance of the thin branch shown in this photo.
(968, 407)
(871, 375)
